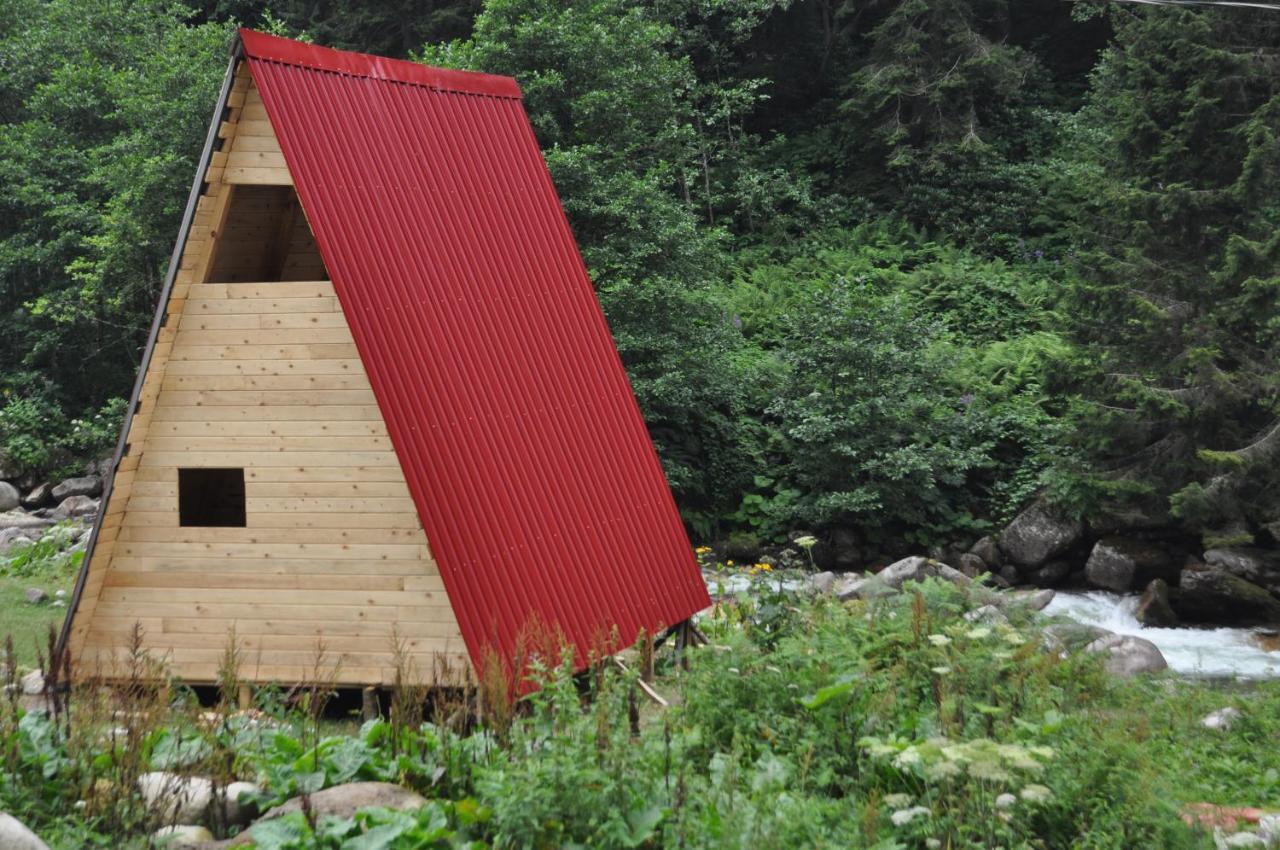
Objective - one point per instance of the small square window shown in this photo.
(211, 497)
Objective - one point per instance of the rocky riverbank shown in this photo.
(28, 514)
(1233, 582)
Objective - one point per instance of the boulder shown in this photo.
(1121, 563)
(915, 568)
(237, 811)
(1154, 608)
(14, 835)
(823, 582)
(76, 506)
(10, 498)
(1009, 575)
(32, 683)
(175, 798)
(989, 552)
(971, 565)
(1222, 719)
(1037, 534)
(1128, 655)
(1256, 565)
(1071, 636)
(343, 801)
(88, 485)
(38, 496)
(36, 596)
(22, 519)
(1050, 574)
(854, 587)
(11, 537)
(181, 836)
(1032, 600)
(989, 615)
(1217, 596)
(951, 574)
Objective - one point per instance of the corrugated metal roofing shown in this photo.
(506, 401)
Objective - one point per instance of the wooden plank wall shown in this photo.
(263, 376)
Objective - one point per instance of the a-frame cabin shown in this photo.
(379, 399)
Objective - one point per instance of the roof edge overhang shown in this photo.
(272, 48)
(157, 322)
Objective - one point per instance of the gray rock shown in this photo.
(1037, 534)
(238, 811)
(89, 485)
(988, 615)
(36, 596)
(1033, 600)
(1256, 565)
(76, 506)
(1239, 840)
(38, 496)
(343, 801)
(1050, 575)
(1128, 655)
(175, 798)
(1217, 596)
(989, 552)
(181, 836)
(1071, 636)
(22, 519)
(952, 575)
(823, 582)
(1154, 608)
(915, 568)
(1009, 575)
(971, 565)
(1109, 569)
(32, 683)
(1121, 563)
(10, 498)
(1222, 719)
(852, 587)
(12, 537)
(14, 835)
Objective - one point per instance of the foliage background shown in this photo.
(882, 265)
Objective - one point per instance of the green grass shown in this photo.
(29, 624)
(49, 564)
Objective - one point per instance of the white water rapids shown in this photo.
(1191, 652)
(1209, 652)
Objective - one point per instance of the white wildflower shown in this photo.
(941, 671)
(1006, 801)
(907, 757)
(943, 770)
(939, 640)
(1036, 794)
(897, 801)
(903, 817)
(979, 633)
(808, 541)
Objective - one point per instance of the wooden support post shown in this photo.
(245, 697)
(369, 708)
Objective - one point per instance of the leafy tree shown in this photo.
(101, 118)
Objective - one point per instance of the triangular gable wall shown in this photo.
(264, 377)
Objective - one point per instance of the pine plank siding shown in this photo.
(262, 376)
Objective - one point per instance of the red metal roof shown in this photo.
(506, 401)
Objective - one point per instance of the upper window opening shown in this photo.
(211, 498)
(265, 237)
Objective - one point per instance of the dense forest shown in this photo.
(890, 266)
